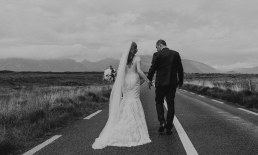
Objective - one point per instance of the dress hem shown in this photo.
(121, 145)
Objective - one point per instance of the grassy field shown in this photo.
(33, 105)
(240, 89)
(234, 82)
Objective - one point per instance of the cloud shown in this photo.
(207, 31)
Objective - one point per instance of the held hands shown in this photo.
(148, 81)
(150, 84)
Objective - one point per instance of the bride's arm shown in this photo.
(138, 63)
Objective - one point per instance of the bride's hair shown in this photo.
(133, 50)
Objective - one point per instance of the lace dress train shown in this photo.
(131, 128)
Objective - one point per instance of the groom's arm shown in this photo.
(180, 70)
(153, 67)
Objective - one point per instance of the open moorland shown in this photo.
(240, 89)
(33, 105)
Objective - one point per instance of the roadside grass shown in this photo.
(235, 82)
(32, 113)
(244, 98)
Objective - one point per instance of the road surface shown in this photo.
(204, 126)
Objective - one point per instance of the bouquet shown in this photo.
(109, 75)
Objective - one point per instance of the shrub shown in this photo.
(35, 116)
(94, 97)
(251, 102)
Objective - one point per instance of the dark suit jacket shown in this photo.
(167, 63)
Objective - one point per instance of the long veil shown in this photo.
(114, 104)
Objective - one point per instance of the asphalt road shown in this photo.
(212, 128)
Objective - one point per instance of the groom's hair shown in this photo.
(161, 42)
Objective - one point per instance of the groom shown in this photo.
(169, 74)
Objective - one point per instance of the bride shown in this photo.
(126, 125)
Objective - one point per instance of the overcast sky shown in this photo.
(220, 33)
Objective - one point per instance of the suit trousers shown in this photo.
(167, 92)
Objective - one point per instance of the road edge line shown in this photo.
(250, 112)
(201, 96)
(218, 101)
(42, 145)
(188, 146)
(93, 114)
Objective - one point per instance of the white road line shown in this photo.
(186, 91)
(248, 111)
(218, 101)
(40, 146)
(93, 114)
(188, 146)
(201, 96)
(37, 148)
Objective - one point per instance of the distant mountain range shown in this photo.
(191, 66)
(18, 64)
(63, 65)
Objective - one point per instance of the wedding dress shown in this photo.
(126, 125)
